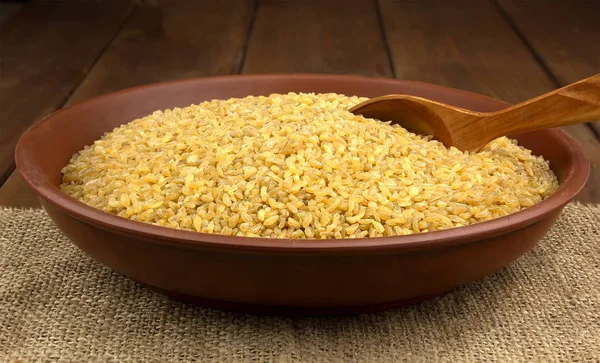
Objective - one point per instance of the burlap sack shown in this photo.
(58, 304)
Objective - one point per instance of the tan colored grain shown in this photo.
(298, 166)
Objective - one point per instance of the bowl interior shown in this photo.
(47, 147)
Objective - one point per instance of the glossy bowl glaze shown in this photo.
(282, 275)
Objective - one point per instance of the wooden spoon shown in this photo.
(470, 130)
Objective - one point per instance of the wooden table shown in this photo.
(55, 54)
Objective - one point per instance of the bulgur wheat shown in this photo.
(298, 166)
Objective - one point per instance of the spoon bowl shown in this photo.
(470, 130)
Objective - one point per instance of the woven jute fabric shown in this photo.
(56, 304)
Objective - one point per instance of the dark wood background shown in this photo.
(56, 53)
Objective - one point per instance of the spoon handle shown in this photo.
(573, 104)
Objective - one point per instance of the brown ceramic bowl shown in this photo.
(282, 275)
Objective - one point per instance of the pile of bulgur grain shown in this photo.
(298, 166)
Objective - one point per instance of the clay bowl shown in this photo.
(279, 275)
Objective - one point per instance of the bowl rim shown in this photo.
(34, 177)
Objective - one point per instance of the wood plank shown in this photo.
(8, 9)
(174, 40)
(461, 44)
(565, 35)
(16, 194)
(317, 37)
(45, 53)
(469, 45)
